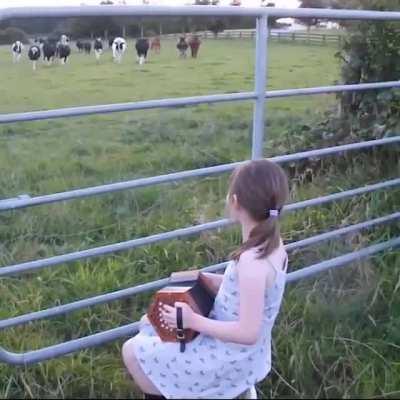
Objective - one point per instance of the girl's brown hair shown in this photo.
(260, 186)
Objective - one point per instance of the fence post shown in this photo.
(260, 80)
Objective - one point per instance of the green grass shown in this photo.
(321, 350)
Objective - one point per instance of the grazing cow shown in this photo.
(98, 48)
(17, 48)
(118, 48)
(156, 45)
(142, 47)
(34, 55)
(194, 44)
(49, 51)
(182, 46)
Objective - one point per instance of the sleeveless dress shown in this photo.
(210, 368)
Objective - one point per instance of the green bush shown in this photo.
(11, 35)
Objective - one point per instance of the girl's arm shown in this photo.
(253, 278)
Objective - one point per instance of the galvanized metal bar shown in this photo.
(112, 248)
(185, 101)
(109, 249)
(341, 231)
(260, 80)
(25, 200)
(342, 195)
(340, 261)
(124, 293)
(122, 107)
(86, 11)
(276, 94)
(102, 338)
(61, 349)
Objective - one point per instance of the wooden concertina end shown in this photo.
(187, 287)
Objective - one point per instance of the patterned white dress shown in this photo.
(210, 368)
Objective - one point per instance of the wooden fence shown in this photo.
(314, 38)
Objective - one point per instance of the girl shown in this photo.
(233, 350)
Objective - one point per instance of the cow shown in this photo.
(156, 45)
(194, 43)
(118, 47)
(87, 47)
(142, 47)
(34, 55)
(79, 45)
(49, 51)
(84, 46)
(98, 48)
(63, 50)
(17, 48)
(182, 46)
(64, 40)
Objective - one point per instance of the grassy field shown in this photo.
(338, 334)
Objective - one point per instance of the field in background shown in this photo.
(329, 339)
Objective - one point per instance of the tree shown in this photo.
(271, 20)
(10, 35)
(371, 53)
(216, 25)
(309, 22)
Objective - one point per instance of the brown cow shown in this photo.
(194, 43)
(156, 45)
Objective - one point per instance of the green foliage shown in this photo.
(10, 35)
(370, 52)
(217, 25)
(311, 4)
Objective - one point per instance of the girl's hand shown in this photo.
(169, 315)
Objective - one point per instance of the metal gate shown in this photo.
(258, 96)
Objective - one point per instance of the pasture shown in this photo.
(329, 338)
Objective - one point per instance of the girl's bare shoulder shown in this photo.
(249, 263)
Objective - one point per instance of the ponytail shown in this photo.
(265, 236)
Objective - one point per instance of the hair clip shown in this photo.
(273, 213)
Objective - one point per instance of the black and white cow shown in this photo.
(87, 47)
(34, 55)
(63, 50)
(49, 51)
(17, 48)
(84, 46)
(98, 48)
(182, 46)
(142, 47)
(118, 47)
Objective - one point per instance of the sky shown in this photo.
(32, 3)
